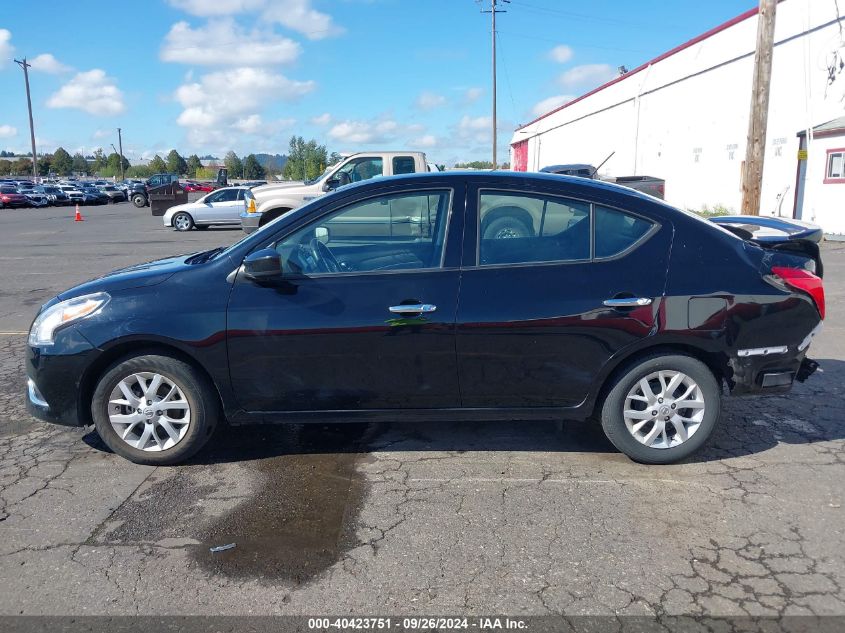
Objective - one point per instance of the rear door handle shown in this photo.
(417, 308)
(627, 302)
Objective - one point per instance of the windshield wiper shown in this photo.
(204, 256)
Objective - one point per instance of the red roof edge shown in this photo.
(660, 58)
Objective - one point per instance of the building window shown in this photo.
(835, 167)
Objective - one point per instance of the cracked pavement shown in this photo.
(516, 518)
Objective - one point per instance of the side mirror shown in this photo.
(321, 234)
(340, 179)
(263, 264)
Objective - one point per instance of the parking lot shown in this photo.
(517, 518)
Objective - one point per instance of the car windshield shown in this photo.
(321, 176)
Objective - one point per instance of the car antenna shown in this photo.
(596, 169)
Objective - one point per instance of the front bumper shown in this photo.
(250, 222)
(55, 379)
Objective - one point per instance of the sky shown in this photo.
(208, 76)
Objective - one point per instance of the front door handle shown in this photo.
(627, 302)
(414, 308)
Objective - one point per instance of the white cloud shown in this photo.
(427, 141)
(561, 54)
(98, 134)
(224, 43)
(549, 104)
(430, 100)
(471, 95)
(475, 129)
(46, 63)
(217, 7)
(323, 119)
(376, 131)
(300, 16)
(92, 92)
(225, 101)
(587, 76)
(8, 131)
(6, 48)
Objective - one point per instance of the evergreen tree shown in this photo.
(62, 162)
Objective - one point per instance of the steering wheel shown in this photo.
(326, 261)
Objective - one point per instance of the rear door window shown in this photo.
(518, 228)
(403, 165)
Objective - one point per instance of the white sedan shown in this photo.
(222, 206)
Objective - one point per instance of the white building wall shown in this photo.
(824, 201)
(685, 118)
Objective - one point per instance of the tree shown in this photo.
(79, 165)
(99, 160)
(194, 163)
(157, 165)
(22, 166)
(306, 160)
(139, 171)
(175, 163)
(5, 167)
(44, 164)
(252, 168)
(112, 166)
(233, 164)
(62, 162)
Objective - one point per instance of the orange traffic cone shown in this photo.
(78, 217)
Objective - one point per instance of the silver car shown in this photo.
(222, 206)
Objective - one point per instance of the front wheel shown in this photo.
(154, 409)
(139, 201)
(662, 409)
(182, 222)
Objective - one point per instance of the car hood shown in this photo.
(272, 188)
(148, 274)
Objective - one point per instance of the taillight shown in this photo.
(805, 281)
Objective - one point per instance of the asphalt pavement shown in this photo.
(512, 518)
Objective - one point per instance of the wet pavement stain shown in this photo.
(302, 518)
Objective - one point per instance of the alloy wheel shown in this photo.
(182, 222)
(149, 411)
(664, 409)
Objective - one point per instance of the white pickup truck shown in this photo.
(275, 199)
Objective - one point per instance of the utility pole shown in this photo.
(25, 66)
(755, 151)
(493, 11)
(120, 145)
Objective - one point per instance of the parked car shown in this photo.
(34, 198)
(10, 198)
(196, 186)
(223, 206)
(75, 195)
(55, 195)
(94, 195)
(114, 194)
(277, 199)
(647, 184)
(382, 301)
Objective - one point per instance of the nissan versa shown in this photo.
(459, 296)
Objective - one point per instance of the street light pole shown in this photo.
(120, 145)
(26, 67)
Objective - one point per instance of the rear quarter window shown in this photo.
(617, 231)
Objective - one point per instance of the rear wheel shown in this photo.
(662, 409)
(507, 227)
(154, 409)
(139, 200)
(182, 221)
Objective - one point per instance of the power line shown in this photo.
(507, 75)
(604, 19)
(26, 67)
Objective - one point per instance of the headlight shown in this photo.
(44, 328)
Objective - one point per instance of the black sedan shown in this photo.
(408, 298)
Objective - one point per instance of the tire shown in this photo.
(139, 200)
(182, 221)
(507, 226)
(669, 446)
(164, 447)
